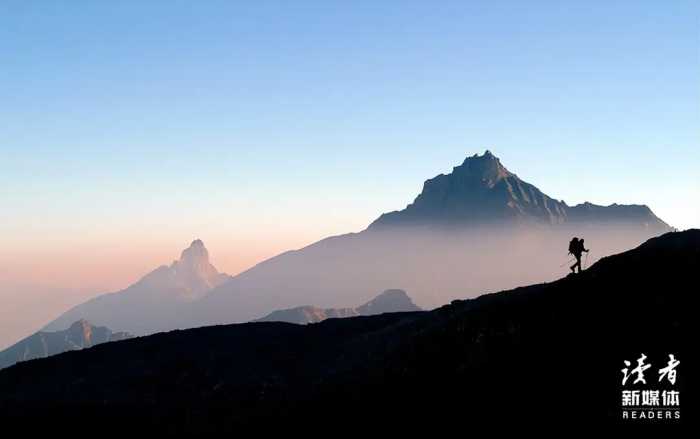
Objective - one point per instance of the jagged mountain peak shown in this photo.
(195, 254)
(487, 167)
(193, 271)
(480, 190)
(483, 191)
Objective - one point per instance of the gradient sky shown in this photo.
(129, 128)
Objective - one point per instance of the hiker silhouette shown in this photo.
(577, 248)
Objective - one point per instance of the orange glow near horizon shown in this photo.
(113, 263)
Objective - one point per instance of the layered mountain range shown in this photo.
(479, 228)
(79, 335)
(388, 301)
(548, 353)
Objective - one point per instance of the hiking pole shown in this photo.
(567, 262)
(585, 263)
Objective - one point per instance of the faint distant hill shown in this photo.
(545, 354)
(154, 302)
(389, 301)
(79, 335)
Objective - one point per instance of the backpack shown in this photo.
(573, 245)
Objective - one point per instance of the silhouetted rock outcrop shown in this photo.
(79, 335)
(546, 354)
(388, 301)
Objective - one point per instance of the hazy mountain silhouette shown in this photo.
(388, 301)
(547, 354)
(79, 335)
(393, 300)
(471, 231)
(303, 315)
(155, 301)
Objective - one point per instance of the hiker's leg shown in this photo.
(576, 264)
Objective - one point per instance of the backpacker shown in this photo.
(573, 245)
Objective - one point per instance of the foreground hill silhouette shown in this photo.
(548, 353)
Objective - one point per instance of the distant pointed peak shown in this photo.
(188, 277)
(195, 253)
(196, 247)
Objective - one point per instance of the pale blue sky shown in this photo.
(263, 125)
